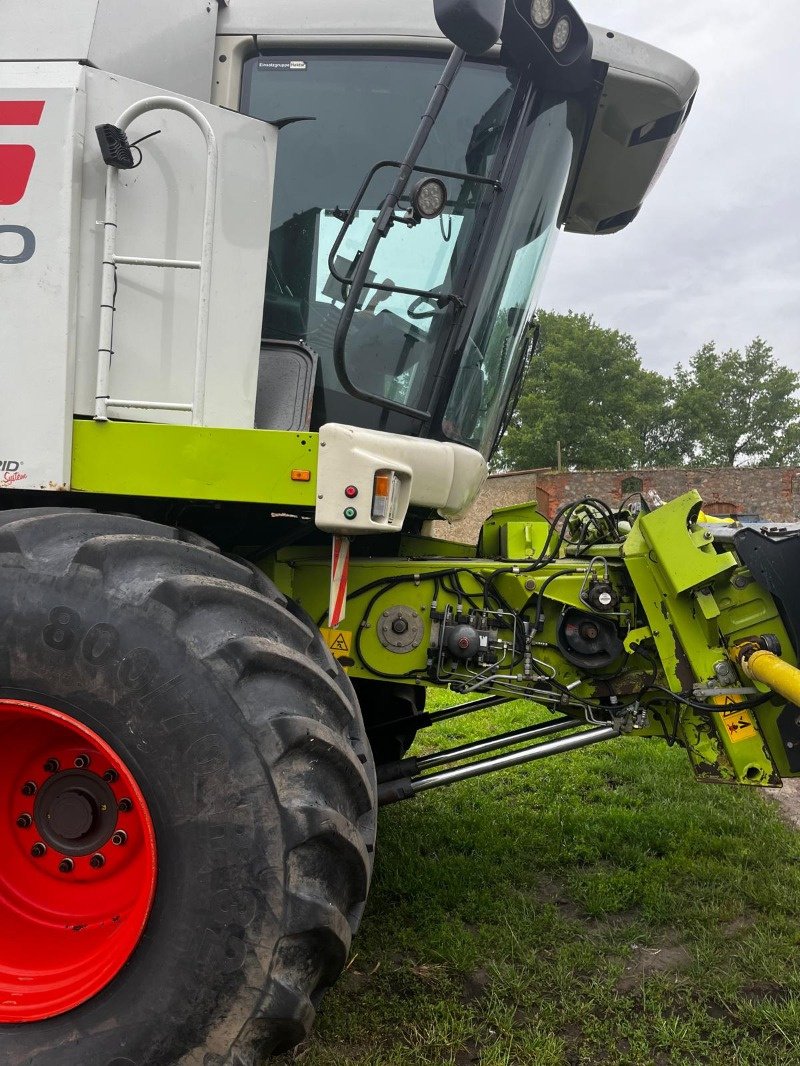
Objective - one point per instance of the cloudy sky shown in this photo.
(715, 253)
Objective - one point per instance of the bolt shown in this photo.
(52, 766)
(24, 821)
(97, 861)
(29, 788)
(82, 761)
(111, 776)
(66, 866)
(38, 850)
(125, 805)
(530, 585)
(119, 838)
(739, 582)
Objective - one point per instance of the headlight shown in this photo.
(561, 34)
(541, 13)
(429, 198)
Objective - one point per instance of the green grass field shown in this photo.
(600, 907)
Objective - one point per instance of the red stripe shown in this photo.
(338, 613)
(16, 163)
(21, 112)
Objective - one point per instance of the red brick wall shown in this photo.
(771, 493)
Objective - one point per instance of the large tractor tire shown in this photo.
(187, 801)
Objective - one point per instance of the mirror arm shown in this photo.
(382, 226)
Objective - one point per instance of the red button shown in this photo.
(351, 492)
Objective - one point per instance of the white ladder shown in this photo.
(111, 261)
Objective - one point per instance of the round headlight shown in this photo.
(429, 198)
(541, 13)
(561, 34)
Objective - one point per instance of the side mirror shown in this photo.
(472, 25)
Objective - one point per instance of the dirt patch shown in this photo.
(468, 1055)
(550, 890)
(645, 962)
(476, 986)
(788, 800)
(734, 929)
(760, 991)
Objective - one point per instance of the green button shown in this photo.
(350, 513)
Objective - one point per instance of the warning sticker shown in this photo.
(340, 641)
(739, 725)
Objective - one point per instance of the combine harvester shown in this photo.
(260, 326)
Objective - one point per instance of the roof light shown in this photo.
(541, 13)
(561, 34)
(429, 198)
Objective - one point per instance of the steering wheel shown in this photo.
(412, 311)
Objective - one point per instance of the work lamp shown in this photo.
(541, 13)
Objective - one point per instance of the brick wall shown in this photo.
(768, 493)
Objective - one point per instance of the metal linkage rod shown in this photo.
(504, 740)
(416, 765)
(425, 719)
(407, 788)
(466, 708)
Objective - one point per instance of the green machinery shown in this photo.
(263, 325)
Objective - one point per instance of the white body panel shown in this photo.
(431, 474)
(160, 215)
(166, 43)
(37, 281)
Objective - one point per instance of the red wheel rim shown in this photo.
(77, 863)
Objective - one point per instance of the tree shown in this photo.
(737, 408)
(586, 387)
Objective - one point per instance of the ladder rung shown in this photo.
(148, 405)
(168, 264)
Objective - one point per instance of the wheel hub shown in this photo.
(76, 812)
(78, 871)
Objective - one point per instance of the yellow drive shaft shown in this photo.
(769, 669)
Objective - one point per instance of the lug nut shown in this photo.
(120, 838)
(97, 861)
(24, 821)
(125, 806)
(29, 788)
(82, 761)
(52, 766)
(38, 850)
(66, 866)
(111, 776)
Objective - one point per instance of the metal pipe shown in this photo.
(166, 264)
(514, 758)
(466, 708)
(503, 740)
(149, 405)
(111, 260)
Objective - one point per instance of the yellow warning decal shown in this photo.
(340, 641)
(739, 725)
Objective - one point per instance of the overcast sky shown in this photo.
(715, 252)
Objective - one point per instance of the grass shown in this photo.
(600, 907)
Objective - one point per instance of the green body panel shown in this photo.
(304, 574)
(681, 595)
(694, 611)
(194, 463)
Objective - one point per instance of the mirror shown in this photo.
(472, 25)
